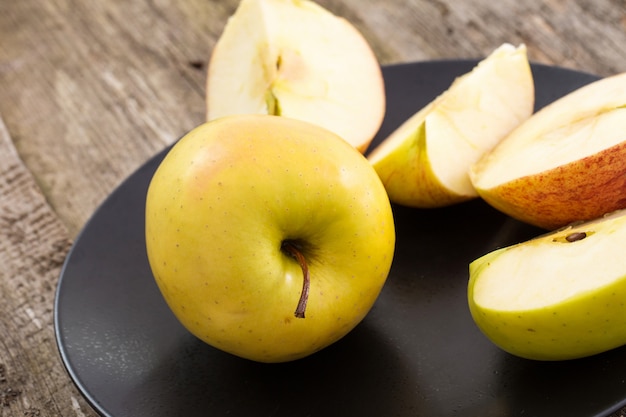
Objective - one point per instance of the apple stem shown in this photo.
(294, 252)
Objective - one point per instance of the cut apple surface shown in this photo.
(559, 296)
(566, 163)
(296, 59)
(425, 162)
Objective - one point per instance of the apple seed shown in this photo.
(576, 236)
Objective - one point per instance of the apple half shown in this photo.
(425, 162)
(557, 297)
(566, 163)
(298, 60)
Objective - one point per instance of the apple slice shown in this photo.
(559, 296)
(296, 59)
(566, 163)
(425, 162)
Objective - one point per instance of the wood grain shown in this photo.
(33, 244)
(91, 90)
(586, 36)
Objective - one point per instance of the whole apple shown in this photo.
(269, 238)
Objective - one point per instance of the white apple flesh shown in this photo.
(566, 163)
(557, 297)
(298, 60)
(425, 162)
(269, 238)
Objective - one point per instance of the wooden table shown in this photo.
(89, 90)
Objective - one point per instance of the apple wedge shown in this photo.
(559, 296)
(296, 59)
(566, 163)
(425, 162)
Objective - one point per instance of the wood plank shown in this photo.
(96, 96)
(586, 36)
(33, 244)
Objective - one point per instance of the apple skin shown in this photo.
(424, 163)
(577, 191)
(566, 163)
(298, 60)
(221, 205)
(581, 322)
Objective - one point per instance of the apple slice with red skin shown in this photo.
(566, 163)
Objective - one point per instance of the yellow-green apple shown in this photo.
(425, 161)
(559, 296)
(269, 238)
(566, 163)
(295, 59)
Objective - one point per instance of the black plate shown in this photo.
(418, 353)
